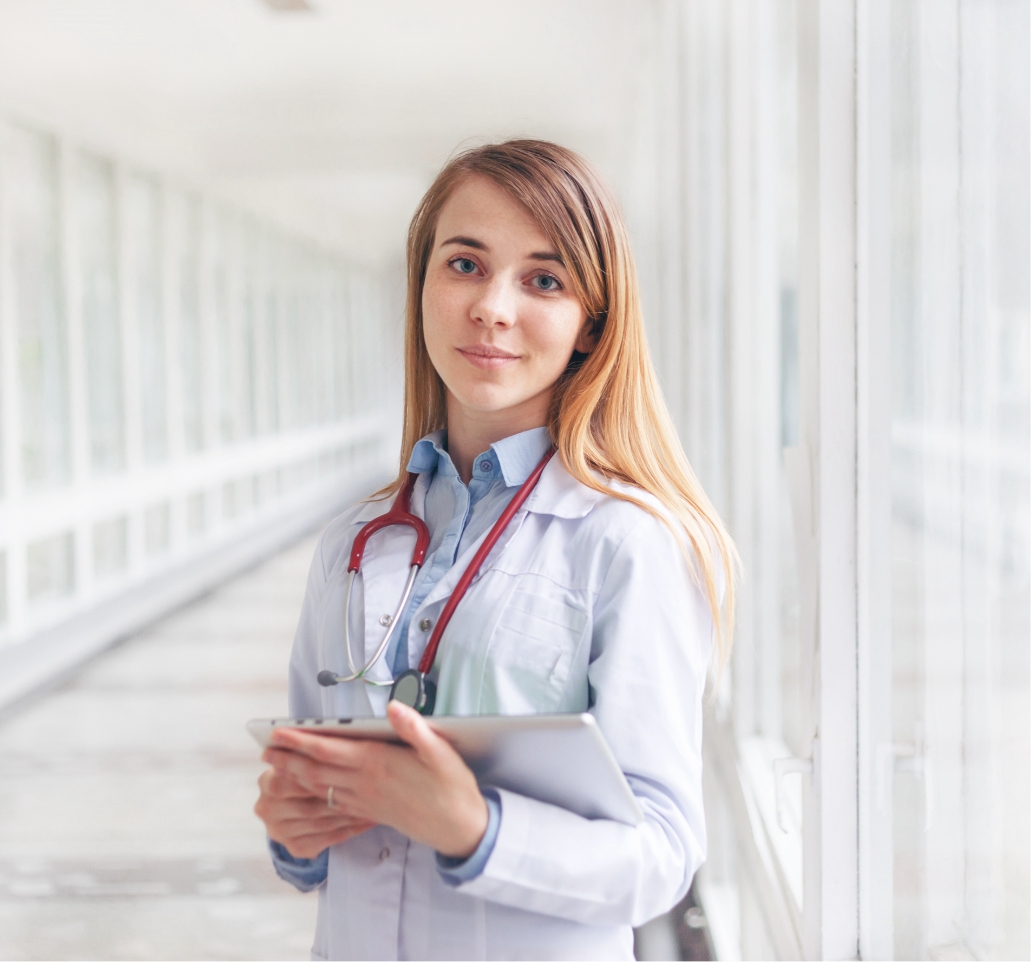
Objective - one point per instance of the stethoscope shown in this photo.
(413, 687)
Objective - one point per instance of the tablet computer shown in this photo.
(560, 759)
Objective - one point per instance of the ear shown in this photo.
(587, 337)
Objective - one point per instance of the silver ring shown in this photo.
(329, 797)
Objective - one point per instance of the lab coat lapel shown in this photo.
(557, 493)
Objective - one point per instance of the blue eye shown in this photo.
(464, 265)
(545, 282)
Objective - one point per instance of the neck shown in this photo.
(470, 433)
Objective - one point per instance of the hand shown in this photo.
(300, 821)
(423, 789)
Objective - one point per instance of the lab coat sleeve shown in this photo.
(454, 871)
(304, 874)
(304, 692)
(652, 636)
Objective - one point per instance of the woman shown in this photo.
(603, 594)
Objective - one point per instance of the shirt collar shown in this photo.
(517, 455)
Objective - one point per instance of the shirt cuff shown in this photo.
(455, 871)
(302, 873)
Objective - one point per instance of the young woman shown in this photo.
(603, 594)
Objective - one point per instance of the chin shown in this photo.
(487, 400)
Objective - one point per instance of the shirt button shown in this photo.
(486, 466)
(384, 854)
(425, 624)
(385, 620)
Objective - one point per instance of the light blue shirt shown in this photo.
(456, 515)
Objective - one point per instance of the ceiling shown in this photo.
(332, 120)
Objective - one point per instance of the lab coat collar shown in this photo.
(557, 493)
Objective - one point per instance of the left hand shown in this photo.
(423, 788)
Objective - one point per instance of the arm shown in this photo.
(650, 649)
(294, 818)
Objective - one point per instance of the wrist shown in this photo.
(470, 832)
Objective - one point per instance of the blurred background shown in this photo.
(203, 208)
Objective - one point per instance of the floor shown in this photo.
(126, 823)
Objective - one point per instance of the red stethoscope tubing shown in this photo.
(430, 654)
(401, 513)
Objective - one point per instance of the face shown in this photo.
(499, 314)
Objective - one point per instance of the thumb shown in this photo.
(411, 727)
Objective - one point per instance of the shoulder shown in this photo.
(599, 523)
(614, 506)
(338, 536)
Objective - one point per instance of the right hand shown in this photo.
(302, 823)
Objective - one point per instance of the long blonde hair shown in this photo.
(607, 414)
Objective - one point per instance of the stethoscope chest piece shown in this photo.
(414, 689)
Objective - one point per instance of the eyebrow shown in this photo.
(480, 246)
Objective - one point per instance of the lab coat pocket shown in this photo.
(532, 651)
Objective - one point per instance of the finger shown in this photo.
(312, 845)
(314, 778)
(279, 785)
(411, 727)
(312, 810)
(342, 752)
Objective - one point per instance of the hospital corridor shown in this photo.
(800, 228)
(123, 788)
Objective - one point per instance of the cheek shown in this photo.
(554, 333)
(440, 306)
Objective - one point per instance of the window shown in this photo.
(31, 196)
(160, 352)
(830, 209)
(101, 325)
(145, 232)
(948, 751)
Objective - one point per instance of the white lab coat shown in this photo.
(584, 604)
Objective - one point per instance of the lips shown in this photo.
(487, 358)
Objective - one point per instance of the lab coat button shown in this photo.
(425, 624)
(385, 620)
(384, 855)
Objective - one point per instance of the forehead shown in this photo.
(479, 208)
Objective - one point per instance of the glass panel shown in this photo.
(100, 321)
(230, 506)
(224, 332)
(31, 199)
(196, 515)
(293, 351)
(786, 667)
(156, 528)
(272, 361)
(50, 567)
(189, 326)
(341, 347)
(110, 547)
(144, 224)
(249, 347)
(960, 479)
(3, 587)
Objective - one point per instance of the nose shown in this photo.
(496, 304)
